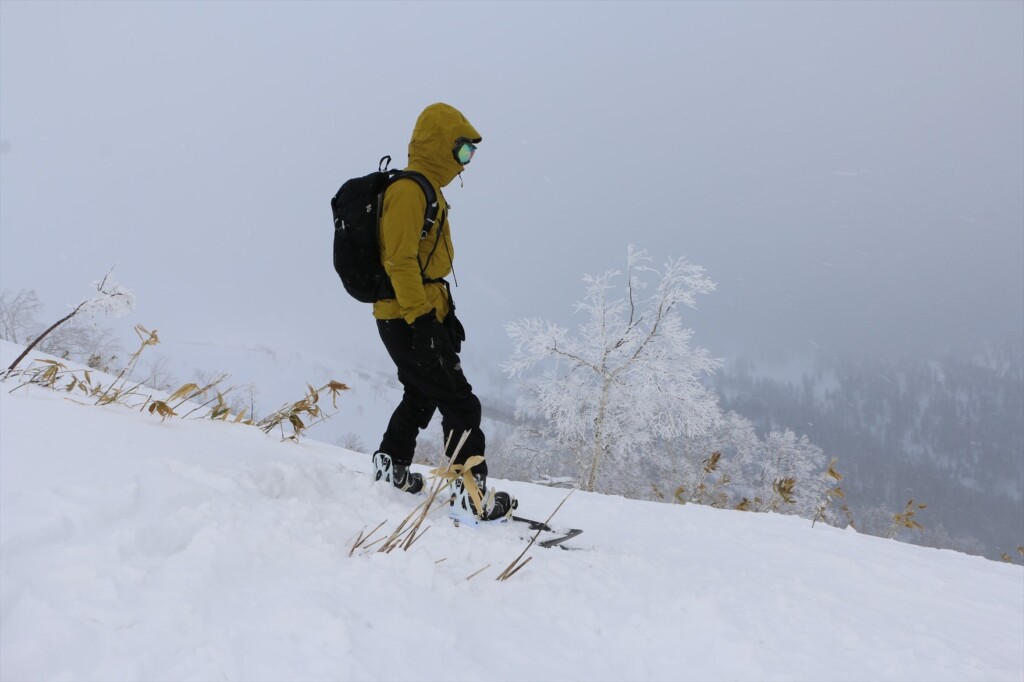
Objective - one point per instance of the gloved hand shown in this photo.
(456, 332)
(427, 339)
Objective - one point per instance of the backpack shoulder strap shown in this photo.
(428, 190)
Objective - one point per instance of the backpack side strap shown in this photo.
(429, 220)
(428, 190)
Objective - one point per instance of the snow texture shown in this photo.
(135, 549)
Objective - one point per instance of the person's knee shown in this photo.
(473, 409)
(419, 407)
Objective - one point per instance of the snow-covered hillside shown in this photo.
(265, 378)
(137, 549)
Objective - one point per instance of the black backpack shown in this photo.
(357, 207)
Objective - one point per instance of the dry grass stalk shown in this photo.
(292, 413)
(46, 376)
(446, 475)
(709, 466)
(118, 394)
(221, 411)
(50, 372)
(785, 491)
(441, 478)
(830, 494)
(361, 539)
(476, 573)
(410, 529)
(706, 489)
(187, 396)
(906, 519)
(47, 373)
(715, 489)
(514, 567)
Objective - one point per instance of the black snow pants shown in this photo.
(436, 386)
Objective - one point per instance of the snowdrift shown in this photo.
(135, 549)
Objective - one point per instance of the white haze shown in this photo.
(850, 174)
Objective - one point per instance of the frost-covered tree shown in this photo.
(85, 341)
(783, 456)
(110, 298)
(627, 379)
(736, 442)
(77, 338)
(17, 314)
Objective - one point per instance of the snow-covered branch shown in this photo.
(111, 298)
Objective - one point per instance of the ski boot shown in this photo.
(389, 471)
(497, 506)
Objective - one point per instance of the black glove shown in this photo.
(456, 332)
(428, 337)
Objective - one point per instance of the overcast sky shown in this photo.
(850, 174)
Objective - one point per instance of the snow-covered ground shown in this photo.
(137, 549)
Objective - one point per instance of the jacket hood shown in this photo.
(430, 150)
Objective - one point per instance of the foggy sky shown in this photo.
(850, 174)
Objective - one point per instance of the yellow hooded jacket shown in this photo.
(402, 252)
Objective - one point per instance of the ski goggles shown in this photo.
(463, 150)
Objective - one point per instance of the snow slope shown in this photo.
(132, 548)
(280, 376)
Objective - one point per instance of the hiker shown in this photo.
(418, 324)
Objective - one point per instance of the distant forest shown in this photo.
(946, 431)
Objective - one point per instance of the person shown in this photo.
(418, 325)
